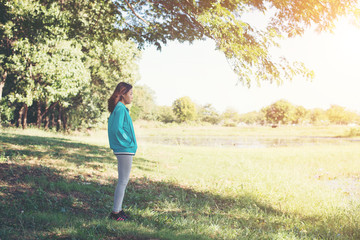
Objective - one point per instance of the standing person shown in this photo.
(122, 141)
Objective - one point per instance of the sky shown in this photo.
(203, 74)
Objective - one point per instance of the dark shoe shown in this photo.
(124, 215)
(120, 216)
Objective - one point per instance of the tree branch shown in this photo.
(132, 9)
(49, 108)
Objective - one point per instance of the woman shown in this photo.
(122, 141)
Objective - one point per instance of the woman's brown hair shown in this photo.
(121, 89)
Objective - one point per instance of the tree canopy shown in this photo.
(281, 111)
(184, 109)
(245, 46)
(61, 60)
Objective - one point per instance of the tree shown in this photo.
(32, 29)
(338, 115)
(244, 45)
(208, 113)
(279, 112)
(64, 57)
(230, 117)
(255, 117)
(144, 103)
(108, 65)
(55, 75)
(300, 114)
(42, 67)
(184, 109)
(165, 114)
(318, 116)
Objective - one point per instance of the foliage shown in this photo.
(318, 116)
(165, 114)
(300, 115)
(230, 114)
(56, 72)
(64, 59)
(284, 112)
(244, 45)
(339, 115)
(353, 132)
(60, 60)
(208, 113)
(6, 111)
(281, 111)
(144, 103)
(254, 117)
(108, 65)
(184, 109)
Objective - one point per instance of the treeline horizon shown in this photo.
(280, 112)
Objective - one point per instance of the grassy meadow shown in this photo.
(60, 186)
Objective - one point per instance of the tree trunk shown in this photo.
(53, 123)
(24, 123)
(61, 5)
(22, 120)
(64, 120)
(46, 116)
(47, 109)
(21, 112)
(2, 83)
(58, 127)
(39, 115)
(47, 120)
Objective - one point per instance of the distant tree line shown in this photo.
(182, 110)
(281, 112)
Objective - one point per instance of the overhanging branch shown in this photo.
(132, 9)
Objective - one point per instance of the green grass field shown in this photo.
(55, 186)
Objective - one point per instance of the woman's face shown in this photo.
(128, 97)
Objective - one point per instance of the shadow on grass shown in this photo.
(42, 202)
(56, 148)
(39, 202)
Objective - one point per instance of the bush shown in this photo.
(354, 132)
(165, 114)
(229, 123)
(6, 111)
(184, 109)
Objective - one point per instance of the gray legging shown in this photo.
(124, 167)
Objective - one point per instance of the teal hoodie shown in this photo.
(121, 130)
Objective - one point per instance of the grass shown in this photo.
(56, 186)
(285, 130)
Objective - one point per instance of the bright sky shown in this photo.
(203, 74)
